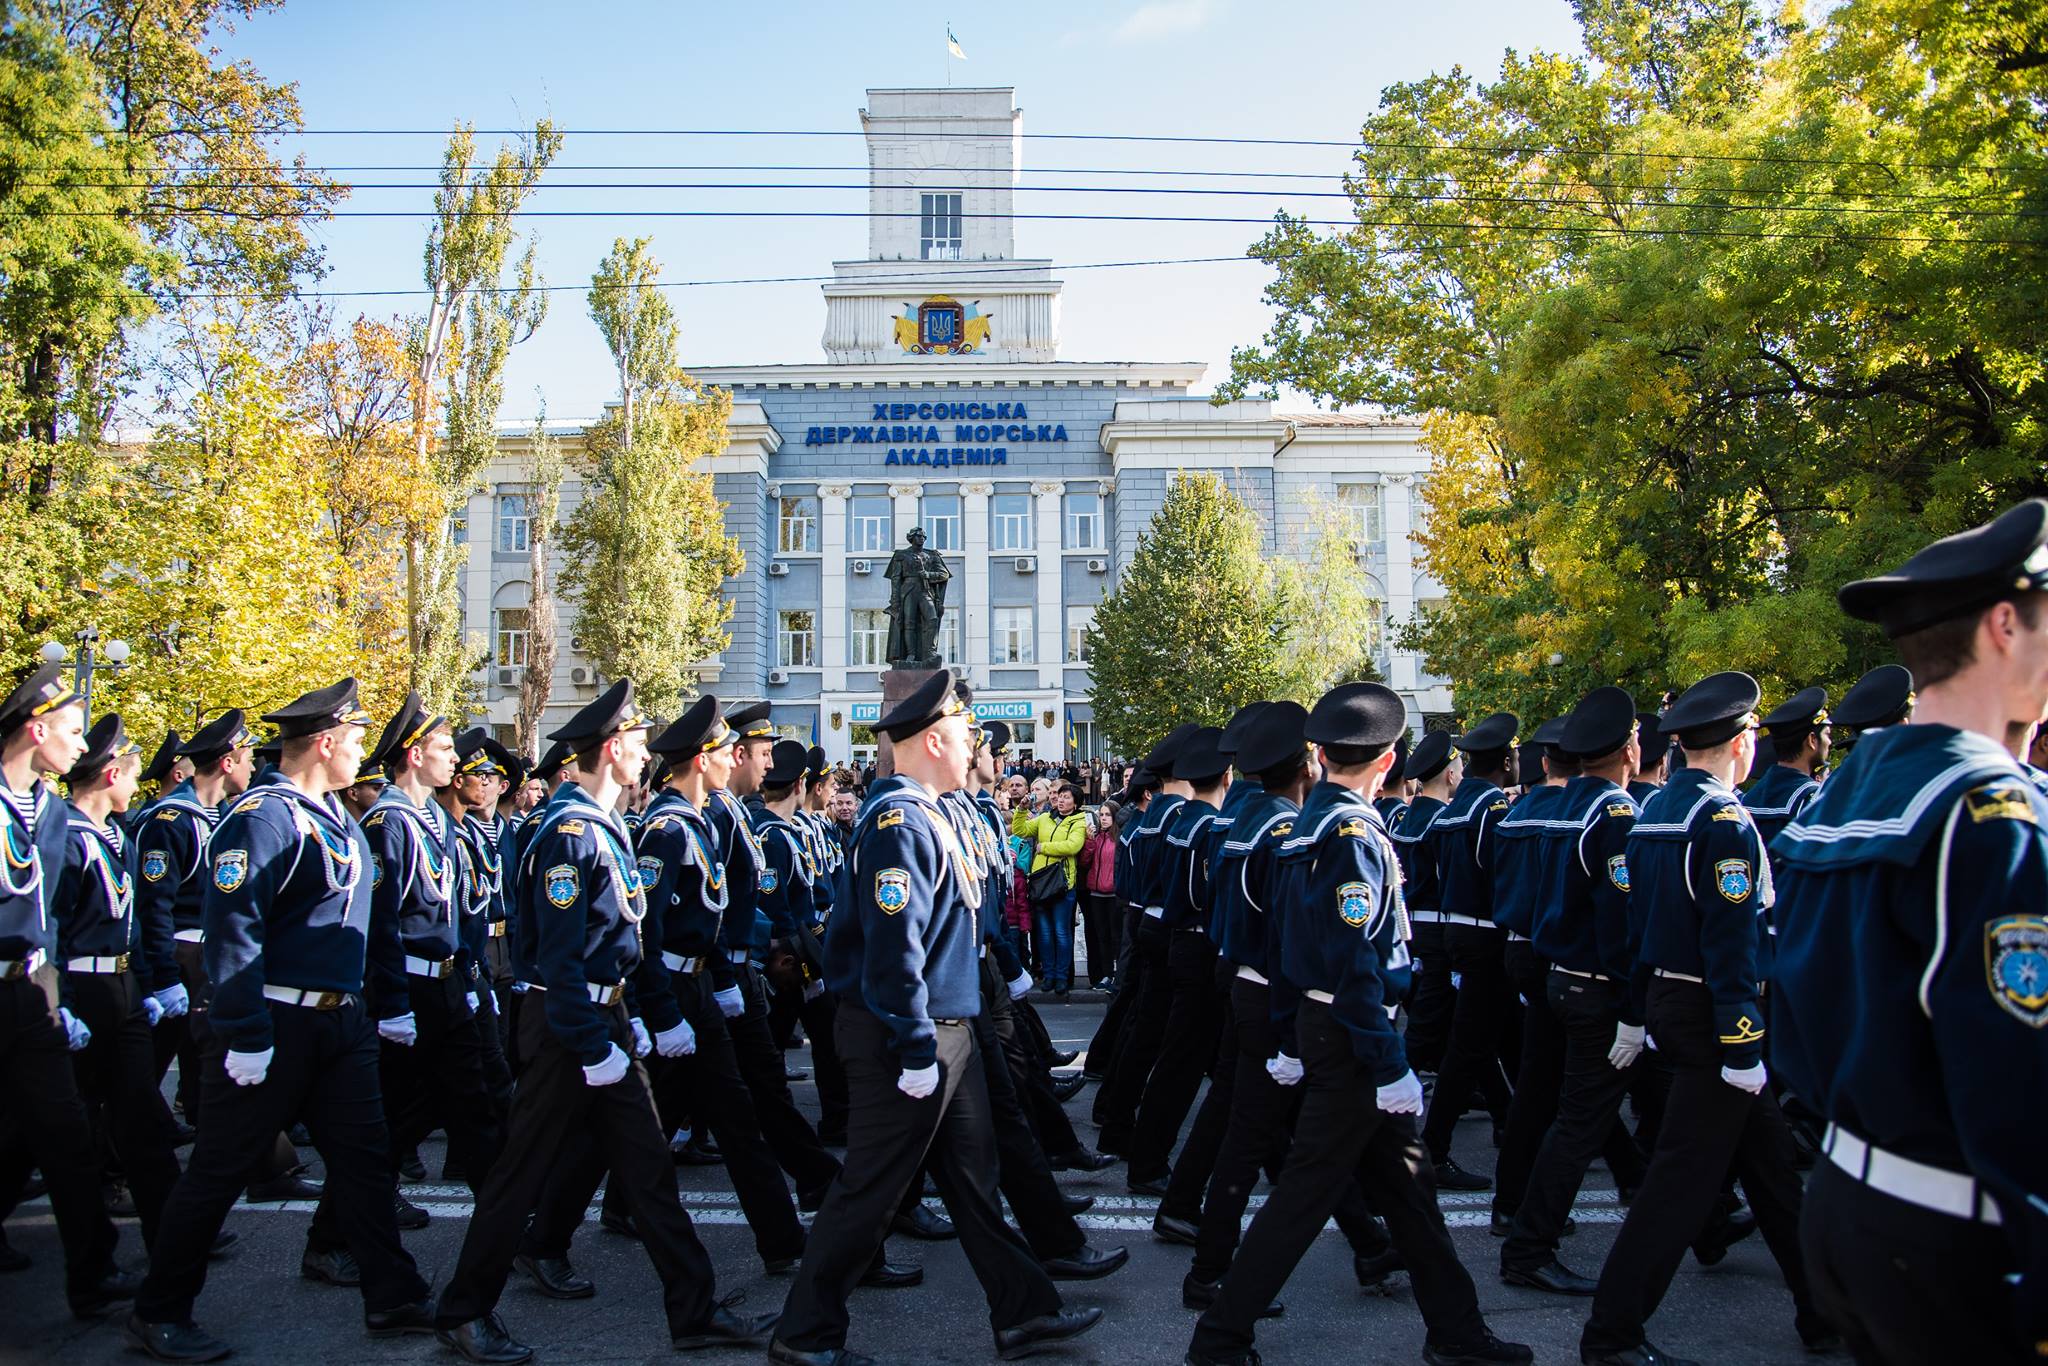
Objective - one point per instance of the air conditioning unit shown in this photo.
(778, 675)
(777, 569)
(508, 678)
(1027, 564)
(582, 676)
(1098, 566)
(576, 644)
(863, 566)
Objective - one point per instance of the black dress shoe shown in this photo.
(892, 1276)
(335, 1267)
(555, 1278)
(1452, 1177)
(111, 1289)
(406, 1318)
(485, 1342)
(1065, 1089)
(1081, 1159)
(1064, 1057)
(1504, 1224)
(222, 1241)
(1032, 1334)
(1196, 1294)
(1077, 1204)
(699, 1152)
(1553, 1277)
(1373, 1272)
(1714, 1243)
(1168, 1229)
(12, 1259)
(118, 1200)
(727, 1329)
(785, 1355)
(182, 1133)
(185, 1341)
(409, 1215)
(1647, 1354)
(1086, 1263)
(293, 1187)
(1817, 1335)
(924, 1225)
(778, 1266)
(811, 1201)
(796, 1074)
(1151, 1185)
(411, 1168)
(453, 1171)
(1485, 1350)
(621, 1224)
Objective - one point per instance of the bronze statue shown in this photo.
(917, 600)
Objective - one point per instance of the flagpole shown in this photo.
(949, 54)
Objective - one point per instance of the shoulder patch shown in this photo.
(1999, 802)
(1617, 871)
(249, 802)
(155, 864)
(1500, 805)
(571, 827)
(661, 822)
(1617, 809)
(1283, 829)
(1732, 878)
(892, 817)
(562, 885)
(1354, 826)
(1354, 903)
(650, 870)
(1728, 813)
(769, 880)
(169, 815)
(230, 869)
(892, 889)
(2016, 965)
(374, 820)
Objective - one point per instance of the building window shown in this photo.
(939, 227)
(1010, 518)
(458, 528)
(513, 523)
(867, 528)
(870, 637)
(949, 638)
(1079, 620)
(941, 515)
(1360, 504)
(512, 637)
(1084, 521)
(796, 524)
(796, 639)
(1024, 739)
(1011, 640)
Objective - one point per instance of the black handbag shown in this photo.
(1047, 885)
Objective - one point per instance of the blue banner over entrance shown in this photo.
(867, 713)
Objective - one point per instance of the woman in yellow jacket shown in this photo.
(1058, 836)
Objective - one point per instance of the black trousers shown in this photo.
(1187, 1053)
(1022, 1173)
(1102, 925)
(818, 1015)
(1707, 1123)
(1472, 1055)
(1029, 1066)
(1342, 1137)
(889, 1136)
(50, 1120)
(1259, 1128)
(117, 1075)
(1116, 1102)
(790, 1136)
(1904, 1285)
(553, 1111)
(1102, 1049)
(324, 1071)
(1431, 999)
(490, 1030)
(183, 1043)
(1538, 1074)
(438, 1080)
(1196, 1162)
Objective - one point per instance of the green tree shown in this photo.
(1324, 602)
(1190, 632)
(545, 468)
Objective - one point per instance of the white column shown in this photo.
(973, 604)
(1399, 489)
(1052, 649)
(906, 513)
(834, 624)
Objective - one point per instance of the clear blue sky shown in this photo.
(1229, 68)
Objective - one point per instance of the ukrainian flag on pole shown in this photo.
(953, 44)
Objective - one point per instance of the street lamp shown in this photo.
(82, 668)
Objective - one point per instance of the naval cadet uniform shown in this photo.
(1434, 996)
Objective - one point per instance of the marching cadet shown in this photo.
(580, 928)
(1133, 803)
(1342, 945)
(479, 774)
(1655, 764)
(1799, 736)
(1913, 971)
(1882, 697)
(164, 771)
(287, 924)
(1393, 798)
(432, 1051)
(1436, 768)
(1462, 835)
(99, 946)
(1699, 883)
(42, 730)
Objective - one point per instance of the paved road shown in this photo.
(1733, 1315)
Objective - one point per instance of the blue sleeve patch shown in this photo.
(1731, 876)
(230, 869)
(1354, 903)
(155, 864)
(1617, 871)
(770, 880)
(892, 889)
(2016, 962)
(562, 885)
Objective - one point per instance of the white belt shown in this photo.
(738, 957)
(190, 936)
(1679, 976)
(1472, 920)
(675, 962)
(1425, 917)
(1155, 912)
(1589, 976)
(1514, 938)
(118, 963)
(1325, 997)
(296, 996)
(1916, 1183)
(429, 967)
(599, 993)
(11, 968)
(1246, 974)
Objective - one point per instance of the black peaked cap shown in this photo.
(751, 722)
(1366, 715)
(1233, 730)
(224, 734)
(1600, 724)
(609, 714)
(1712, 711)
(40, 692)
(997, 736)
(1201, 761)
(1798, 714)
(316, 711)
(933, 699)
(786, 763)
(160, 763)
(105, 742)
(1273, 737)
(698, 730)
(1161, 758)
(397, 727)
(551, 762)
(1495, 732)
(1431, 756)
(1882, 697)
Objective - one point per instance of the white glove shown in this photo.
(609, 1071)
(152, 1010)
(75, 1032)
(1403, 1097)
(679, 1042)
(1628, 1046)
(175, 1000)
(919, 1082)
(732, 1003)
(400, 1029)
(249, 1069)
(1750, 1079)
(813, 990)
(1283, 1069)
(643, 1043)
(1020, 986)
(476, 1005)
(520, 988)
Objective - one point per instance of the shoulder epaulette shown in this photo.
(169, 815)
(1999, 801)
(249, 802)
(374, 820)
(892, 817)
(570, 827)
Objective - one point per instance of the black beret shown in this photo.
(104, 743)
(933, 699)
(39, 693)
(1274, 736)
(1791, 719)
(600, 720)
(786, 764)
(1600, 724)
(160, 763)
(1160, 760)
(1432, 755)
(320, 710)
(697, 731)
(1233, 730)
(551, 762)
(996, 734)
(1365, 715)
(224, 734)
(1713, 711)
(1495, 732)
(1200, 761)
(1958, 575)
(751, 722)
(1882, 697)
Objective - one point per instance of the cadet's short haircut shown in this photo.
(1348, 758)
(776, 794)
(1557, 764)
(1283, 776)
(1934, 654)
(1493, 760)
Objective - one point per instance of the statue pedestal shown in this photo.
(897, 684)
